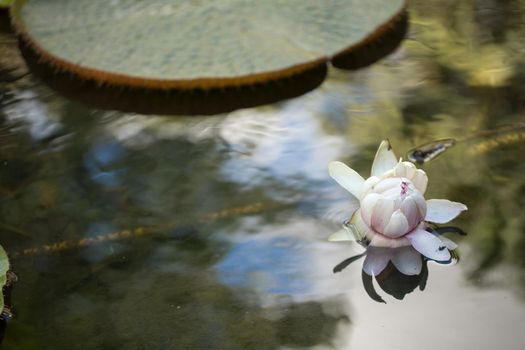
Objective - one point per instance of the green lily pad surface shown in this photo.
(180, 43)
(199, 57)
(4, 267)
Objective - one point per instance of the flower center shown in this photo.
(404, 188)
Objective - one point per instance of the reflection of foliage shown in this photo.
(477, 40)
(492, 245)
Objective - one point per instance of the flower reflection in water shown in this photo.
(395, 223)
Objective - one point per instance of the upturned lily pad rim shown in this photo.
(110, 78)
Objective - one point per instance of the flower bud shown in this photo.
(393, 207)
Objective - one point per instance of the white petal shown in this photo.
(346, 177)
(384, 160)
(399, 170)
(359, 225)
(405, 169)
(367, 206)
(398, 225)
(420, 180)
(441, 211)
(341, 235)
(407, 260)
(448, 243)
(428, 245)
(376, 260)
(410, 170)
(382, 213)
(390, 185)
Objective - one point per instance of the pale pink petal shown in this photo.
(428, 245)
(367, 206)
(420, 180)
(376, 260)
(421, 204)
(381, 214)
(407, 260)
(411, 212)
(398, 225)
(384, 160)
(378, 240)
(441, 211)
(346, 177)
(414, 207)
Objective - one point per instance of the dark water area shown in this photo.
(129, 231)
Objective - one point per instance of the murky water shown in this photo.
(153, 232)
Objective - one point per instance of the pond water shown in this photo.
(154, 232)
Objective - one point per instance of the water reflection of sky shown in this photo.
(99, 160)
(40, 118)
(277, 144)
(268, 266)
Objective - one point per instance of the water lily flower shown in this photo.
(393, 212)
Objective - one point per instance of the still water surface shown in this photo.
(153, 232)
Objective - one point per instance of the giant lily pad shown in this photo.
(210, 47)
